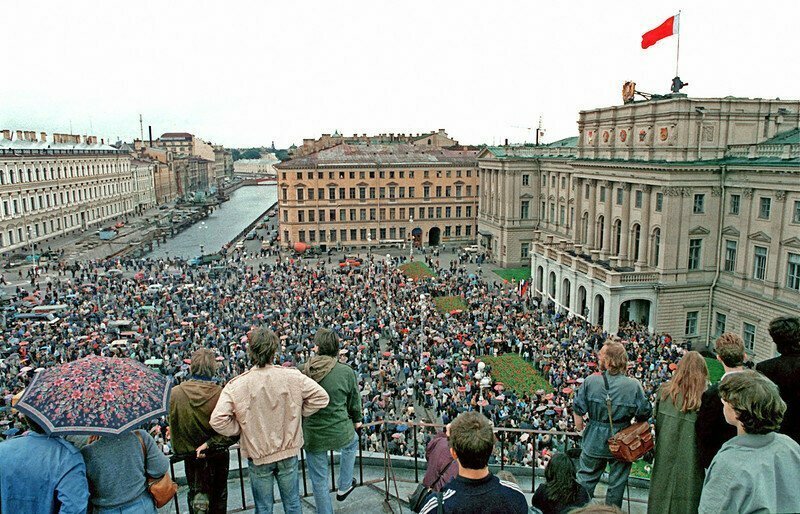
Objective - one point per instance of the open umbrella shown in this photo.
(95, 395)
(11, 432)
(567, 390)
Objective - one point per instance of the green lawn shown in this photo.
(417, 270)
(715, 370)
(516, 374)
(514, 273)
(449, 303)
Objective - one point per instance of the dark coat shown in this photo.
(711, 428)
(190, 406)
(785, 372)
(437, 453)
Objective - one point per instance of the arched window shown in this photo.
(637, 235)
(655, 247)
(617, 236)
(600, 232)
(552, 284)
(584, 228)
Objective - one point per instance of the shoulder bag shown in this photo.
(161, 489)
(417, 500)
(630, 443)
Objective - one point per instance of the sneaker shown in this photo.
(341, 496)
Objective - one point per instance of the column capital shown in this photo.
(626, 186)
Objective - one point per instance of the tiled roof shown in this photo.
(44, 146)
(381, 154)
(790, 137)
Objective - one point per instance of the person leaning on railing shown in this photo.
(627, 401)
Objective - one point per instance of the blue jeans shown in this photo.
(319, 472)
(141, 505)
(262, 483)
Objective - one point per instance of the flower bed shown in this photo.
(449, 303)
(516, 374)
(417, 270)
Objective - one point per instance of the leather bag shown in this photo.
(161, 489)
(417, 499)
(632, 442)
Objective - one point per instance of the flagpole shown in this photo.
(678, 53)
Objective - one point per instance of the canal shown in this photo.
(230, 218)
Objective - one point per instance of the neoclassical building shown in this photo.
(364, 195)
(679, 213)
(52, 188)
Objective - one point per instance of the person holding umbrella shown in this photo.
(42, 475)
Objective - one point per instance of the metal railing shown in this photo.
(505, 436)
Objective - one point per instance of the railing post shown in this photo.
(172, 472)
(502, 449)
(333, 474)
(533, 462)
(416, 466)
(360, 459)
(303, 468)
(241, 477)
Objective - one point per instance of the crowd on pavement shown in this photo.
(411, 361)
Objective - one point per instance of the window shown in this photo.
(301, 215)
(793, 272)
(299, 195)
(311, 216)
(524, 250)
(719, 321)
(310, 194)
(563, 182)
(659, 202)
(796, 212)
(730, 255)
(695, 246)
(586, 192)
(749, 336)
(760, 263)
(561, 215)
(764, 206)
(447, 212)
(602, 193)
(691, 323)
(372, 193)
(699, 204)
(638, 199)
(411, 192)
(301, 236)
(352, 193)
(524, 208)
(438, 191)
(331, 193)
(526, 180)
(426, 192)
(362, 193)
(620, 195)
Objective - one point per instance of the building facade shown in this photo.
(435, 139)
(256, 168)
(53, 188)
(368, 195)
(143, 176)
(681, 214)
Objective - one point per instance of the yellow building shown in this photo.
(359, 195)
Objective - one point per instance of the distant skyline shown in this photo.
(245, 74)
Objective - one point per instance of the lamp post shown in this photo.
(411, 234)
(201, 250)
(33, 256)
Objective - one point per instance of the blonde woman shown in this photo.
(677, 478)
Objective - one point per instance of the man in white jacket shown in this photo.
(264, 406)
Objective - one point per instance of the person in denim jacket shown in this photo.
(627, 402)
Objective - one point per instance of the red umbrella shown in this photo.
(673, 366)
(187, 361)
(468, 343)
(498, 387)
(462, 389)
(591, 364)
(567, 390)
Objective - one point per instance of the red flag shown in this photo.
(666, 29)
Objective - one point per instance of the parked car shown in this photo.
(471, 249)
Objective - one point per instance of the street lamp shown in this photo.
(201, 250)
(411, 234)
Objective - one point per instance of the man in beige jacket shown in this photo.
(264, 407)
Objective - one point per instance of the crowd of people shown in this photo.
(411, 360)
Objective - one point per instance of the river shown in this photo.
(246, 204)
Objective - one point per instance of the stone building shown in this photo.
(679, 213)
(143, 173)
(223, 165)
(436, 139)
(256, 168)
(384, 194)
(53, 188)
(164, 178)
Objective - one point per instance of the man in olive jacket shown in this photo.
(203, 450)
(334, 427)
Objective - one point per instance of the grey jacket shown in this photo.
(627, 401)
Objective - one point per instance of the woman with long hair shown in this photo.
(561, 492)
(677, 478)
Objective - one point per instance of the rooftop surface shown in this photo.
(381, 154)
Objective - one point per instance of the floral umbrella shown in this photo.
(96, 395)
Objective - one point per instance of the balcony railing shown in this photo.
(506, 438)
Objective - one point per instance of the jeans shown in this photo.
(319, 473)
(262, 482)
(590, 469)
(141, 505)
(210, 476)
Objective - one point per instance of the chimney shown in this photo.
(150, 132)
(44, 137)
(441, 131)
(506, 141)
(19, 135)
(6, 134)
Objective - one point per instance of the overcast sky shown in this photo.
(249, 73)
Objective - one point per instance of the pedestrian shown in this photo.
(561, 492)
(711, 429)
(442, 467)
(759, 469)
(118, 467)
(677, 478)
(627, 401)
(204, 452)
(475, 490)
(335, 426)
(785, 370)
(265, 406)
(42, 475)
